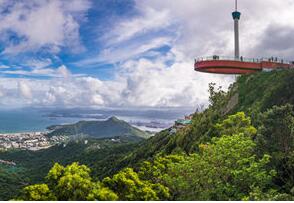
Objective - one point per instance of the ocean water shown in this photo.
(13, 121)
(32, 120)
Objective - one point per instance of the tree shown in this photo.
(154, 170)
(99, 192)
(72, 182)
(128, 186)
(234, 124)
(257, 194)
(38, 192)
(276, 137)
(216, 97)
(226, 169)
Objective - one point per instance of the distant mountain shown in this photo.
(112, 127)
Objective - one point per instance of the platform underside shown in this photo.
(236, 67)
(226, 70)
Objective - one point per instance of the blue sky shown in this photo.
(83, 51)
(128, 53)
(94, 22)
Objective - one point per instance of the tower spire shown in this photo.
(236, 5)
(236, 16)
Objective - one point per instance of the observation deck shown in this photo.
(228, 65)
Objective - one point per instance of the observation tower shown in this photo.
(238, 64)
(236, 16)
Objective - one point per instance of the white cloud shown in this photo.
(63, 71)
(42, 24)
(168, 79)
(206, 27)
(4, 66)
(153, 83)
(60, 72)
(138, 83)
(134, 37)
(38, 64)
(24, 90)
(190, 28)
(149, 20)
(129, 51)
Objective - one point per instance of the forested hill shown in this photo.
(253, 94)
(266, 99)
(240, 148)
(111, 127)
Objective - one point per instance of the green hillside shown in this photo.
(252, 94)
(240, 148)
(112, 127)
(32, 166)
(267, 99)
(106, 143)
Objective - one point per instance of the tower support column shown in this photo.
(236, 16)
(237, 46)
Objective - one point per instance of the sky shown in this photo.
(129, 53)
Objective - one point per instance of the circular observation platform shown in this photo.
(226, 65)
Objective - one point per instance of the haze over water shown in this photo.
(32, 120)
(13, 121)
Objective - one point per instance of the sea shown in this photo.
(37, 120)
(15, 121)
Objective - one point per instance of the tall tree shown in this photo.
(276, 137)
(72, 182)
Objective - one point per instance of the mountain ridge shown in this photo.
(112, 127)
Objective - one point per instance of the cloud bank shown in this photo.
(151, 53)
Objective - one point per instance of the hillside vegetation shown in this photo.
(99, 144)
(32, 166)
(240, 148)
(112, 127)
(252, 94)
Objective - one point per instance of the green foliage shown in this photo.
(259, 92)
(32, 166)
(72, 182)
(276, 130)
(12, 179)
(129, 186)
(257, 194)
(99, 192)
(237, 123)
(100, 129)
(276, 137)
(217, 96)
(224, 170)
(225, 157)
(38, 192)
(154, 170)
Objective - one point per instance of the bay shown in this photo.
(19, 120)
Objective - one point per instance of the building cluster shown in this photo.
(181, 123)
(30, 141)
